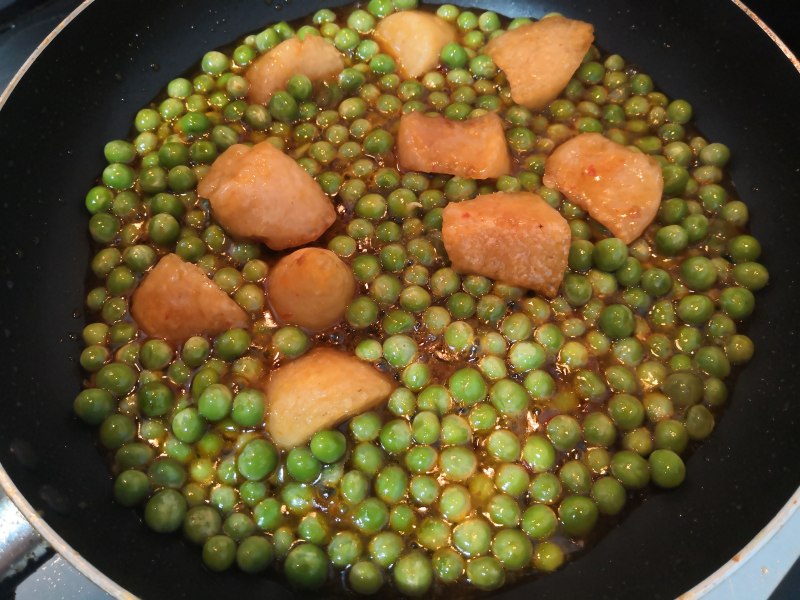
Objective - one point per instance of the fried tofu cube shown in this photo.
(619, 187)
(473, 148)
(310, 287)
(516, 238)
(319, 391)
(415, 40)
(261, 193)
(176, 301)
(540, 58)
(313, 57)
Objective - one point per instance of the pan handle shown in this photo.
(20, 545)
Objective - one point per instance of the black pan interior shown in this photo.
(84, 90)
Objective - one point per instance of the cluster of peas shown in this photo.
(518, 422)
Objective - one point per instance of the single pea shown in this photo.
(509, 397)
(231, 344)
(666, 468)
(626, 411)
(578, 515)
(291, 341)
(368, 458)
(609, 254)
(699, 422)
(548, 557)
(396, 436)
(630, 469)
(467, 386)
(306, 567)
(413, 573)
(545, 488)
(564, 432)
(472, 537)
(695, 309)
(254, 554)
(503, 445)
(458, 463)
(486, 573)
(448, 565)
(609, 495)
(248, 408)
(737, 302)
(328, 446)
(165, 511)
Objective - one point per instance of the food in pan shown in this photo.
(409, 297)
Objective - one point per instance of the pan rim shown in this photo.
(712, 581)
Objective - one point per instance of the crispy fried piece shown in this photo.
(310, 287)
(414, 39)
(473, 148)
(540, 58)
(320, 390)
(619, 187)
(516, 238)
(313, 57)
(261, 193)
(176, 301)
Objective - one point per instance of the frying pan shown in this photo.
(114, 57)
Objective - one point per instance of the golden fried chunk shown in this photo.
(313, 57)
(473, 148)
(617, 186)
(516, 238)
(320, 390)
(311, 288)
(176, 301)
(414, 39)
(262, 193)
(540, 58)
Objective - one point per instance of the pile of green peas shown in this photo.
(518, 424)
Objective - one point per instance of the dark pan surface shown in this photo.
(85, 89)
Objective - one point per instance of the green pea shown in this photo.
(472, 537)
(503, 445)
(448, 565)
(467, 386)
(630, 469)
(396, 436)
(165, 511)
(626, 411)
(564, 432)
(116, 378)
(306, 567)
(365, 577)
(413, 573)
(231, 344)
(328, 446)
(609, 254)
(699, 422)
(458, 463)
(254, 554)
(512, 548)
(257, 459)
(399, 350)
(291, 341)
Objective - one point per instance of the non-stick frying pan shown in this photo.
(114, 57)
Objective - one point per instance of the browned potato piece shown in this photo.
(540, 58)
(320, 390)
(473, 148)
(311, 288)
(262, 193)
(414, 39)
(516, 238)
(619, 187)
(176, 301)
(313, 57)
